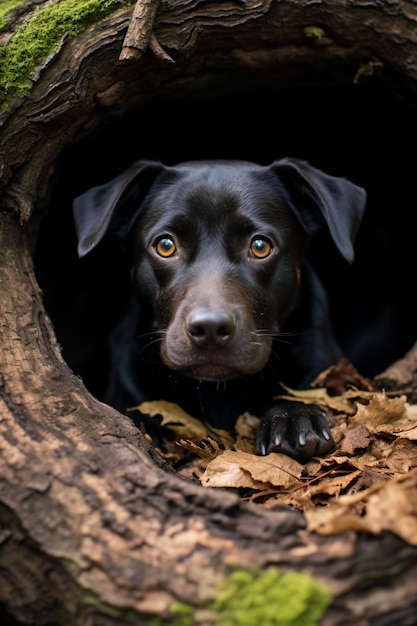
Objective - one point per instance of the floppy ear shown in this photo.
(317, 199)
(113, 206)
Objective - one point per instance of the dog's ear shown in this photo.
(317, 199)
(113, 206)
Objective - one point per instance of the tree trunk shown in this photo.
(95, 527)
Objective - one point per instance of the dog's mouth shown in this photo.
(216, 370)
(213, 372)
(214, 345)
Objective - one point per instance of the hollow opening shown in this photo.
(350, 130)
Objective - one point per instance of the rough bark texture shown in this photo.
(94, 528)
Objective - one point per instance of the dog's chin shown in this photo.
(215, 373)
(215, 370)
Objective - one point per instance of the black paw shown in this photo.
(296, 429)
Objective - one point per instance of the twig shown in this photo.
(158, 50)
(139, 33)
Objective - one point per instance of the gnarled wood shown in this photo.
(95, 528)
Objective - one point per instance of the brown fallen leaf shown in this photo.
(394, 508)
(206, 448)
(405, 427)
(320, 492)
(245, 428)
(342, 376)
(226, 471)
(240, 469)
(174, 417)
(181, 423)
(387, 506)
(400, 457)
(344, 403)
(356, 439)
(379, 410)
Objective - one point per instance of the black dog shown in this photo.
(225, 303)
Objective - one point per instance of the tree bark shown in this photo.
(95, 527)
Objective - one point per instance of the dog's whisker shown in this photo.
(150, 344)
(262, 332)
(279, 336)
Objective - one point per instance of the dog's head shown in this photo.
(217, 250)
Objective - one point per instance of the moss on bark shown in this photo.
(41, 34)
(270, 598)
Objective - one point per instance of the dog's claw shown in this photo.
(277, 440)
(302, 439)
(326, 434)
(261, 450)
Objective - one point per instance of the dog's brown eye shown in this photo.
(165, 247)
(260, 248)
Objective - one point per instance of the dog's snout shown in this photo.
(210, 328)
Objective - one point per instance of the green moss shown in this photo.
(183, 614)
(40, 35)
(270, 598)
(5, 7)
(70, 565)
(314, 32)
(127, 616)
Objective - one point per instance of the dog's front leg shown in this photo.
(296, 429)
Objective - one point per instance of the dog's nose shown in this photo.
(210, 328)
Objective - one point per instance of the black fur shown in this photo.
(225, 303)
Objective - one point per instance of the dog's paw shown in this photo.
(296, 429)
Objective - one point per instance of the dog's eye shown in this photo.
(260, 248)
(165, 246)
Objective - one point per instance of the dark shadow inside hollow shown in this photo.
(356, 131)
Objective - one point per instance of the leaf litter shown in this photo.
(368, 484)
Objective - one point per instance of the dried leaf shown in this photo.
(380, 410)
(342, 376)
(356, 439)
(401, 457)
(240, 469)
(334, 519)
(205, 449)
(226, 471)
(411, 410)
(174, 417)
(390, 506)
(181, 423)
(245, 428)
(340, 404)
(408, 432)
(172, 453)
(366, 479)
(306, 496)
(394, 508)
